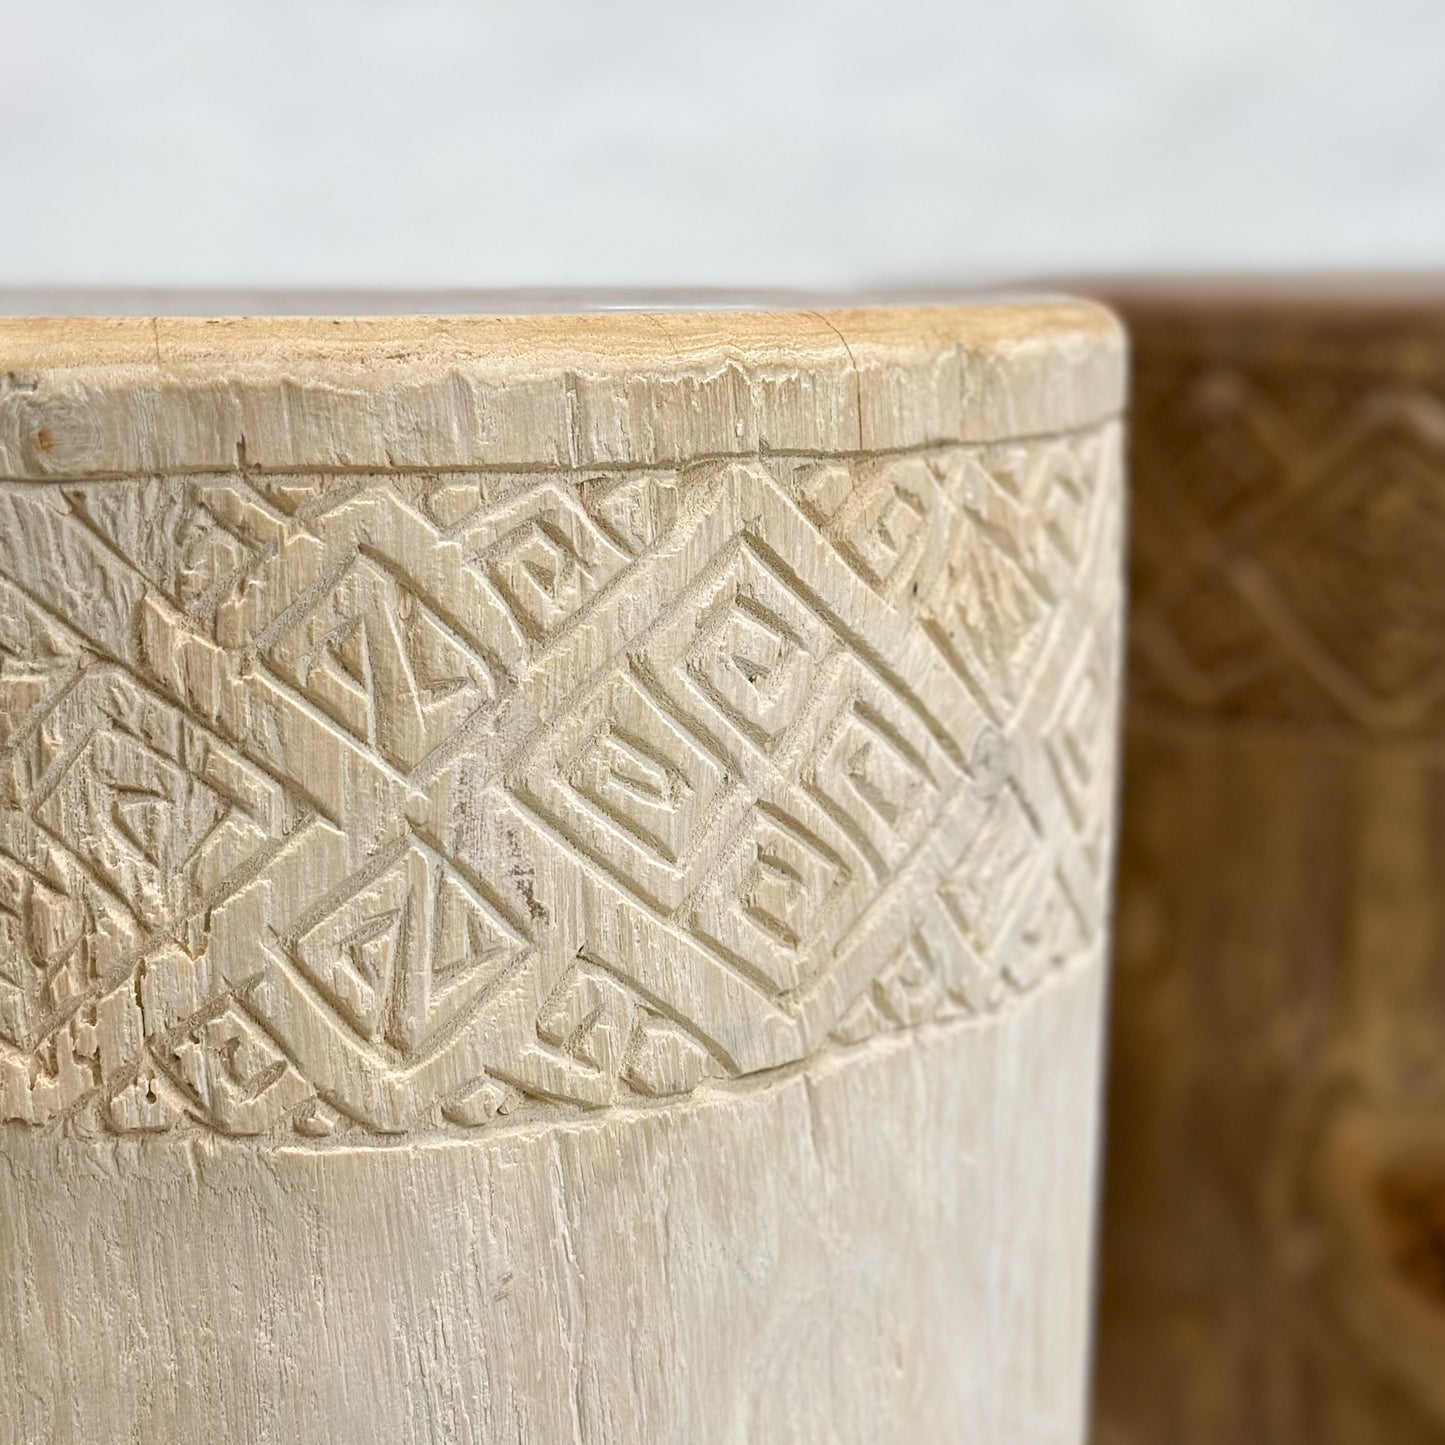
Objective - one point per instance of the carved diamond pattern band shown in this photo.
(397, 797)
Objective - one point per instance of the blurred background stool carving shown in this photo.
(1274, 1248)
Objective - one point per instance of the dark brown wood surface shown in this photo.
(1274, 1241)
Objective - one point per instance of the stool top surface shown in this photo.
(645, 383)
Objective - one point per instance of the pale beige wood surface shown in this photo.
(1274, 1257)
(553, 874)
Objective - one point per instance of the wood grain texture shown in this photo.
(1275, 1205)
(514, 825)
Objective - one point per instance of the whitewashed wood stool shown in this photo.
(553, 874)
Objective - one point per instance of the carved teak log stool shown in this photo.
(1274, 1260)
(553, 874)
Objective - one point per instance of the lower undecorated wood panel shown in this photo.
(882, 1245)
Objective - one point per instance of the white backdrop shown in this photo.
(739, 142)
